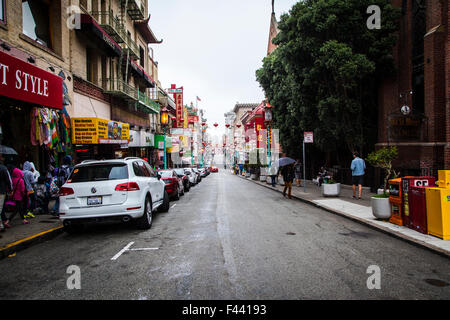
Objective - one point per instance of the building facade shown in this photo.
(421, 130)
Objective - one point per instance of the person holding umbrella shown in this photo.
(287, 170)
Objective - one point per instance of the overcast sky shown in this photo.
(212, 48)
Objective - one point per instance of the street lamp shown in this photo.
(268, 120)
(164, 114)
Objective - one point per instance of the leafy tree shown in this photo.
(323, 75)
(383, 158)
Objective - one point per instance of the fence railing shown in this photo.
(118, 86)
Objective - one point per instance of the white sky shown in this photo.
(212, 48)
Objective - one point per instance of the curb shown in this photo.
(29, 241)
(387, 231)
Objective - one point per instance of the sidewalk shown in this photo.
(20, 236)
(360, 211)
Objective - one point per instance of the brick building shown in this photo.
(422, 83)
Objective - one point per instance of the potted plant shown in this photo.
(383, 158)
(331, 188)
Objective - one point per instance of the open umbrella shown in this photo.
(285, 161)
(7, 150)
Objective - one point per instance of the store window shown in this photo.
(91, 65)
(36, 21)
(2, 11)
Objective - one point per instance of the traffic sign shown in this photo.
(308, 137)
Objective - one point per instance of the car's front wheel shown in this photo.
(145, 222)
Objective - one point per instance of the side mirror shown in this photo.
(158, 176)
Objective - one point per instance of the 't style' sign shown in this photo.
(23, 81)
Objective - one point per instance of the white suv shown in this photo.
(121, 189)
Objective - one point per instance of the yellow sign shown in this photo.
(99, 131)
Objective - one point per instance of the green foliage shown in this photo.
(329, 181)
(384, 195)
(383, 158)
(322, 77)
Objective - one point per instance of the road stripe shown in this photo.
(173, 206)
(122, 251)
(143, 249)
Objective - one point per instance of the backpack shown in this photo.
(53, 187)
(62, 176)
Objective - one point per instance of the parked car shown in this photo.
(192, 176)
(199, 176)
(214, 169)
(202, 172)
(184, 178)
(125, 189)
(174, 185)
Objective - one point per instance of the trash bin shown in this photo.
(417, 218)
(407, 183)
(396, 201)
(438, 207)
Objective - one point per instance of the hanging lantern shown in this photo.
(227, 125)
(164, 116)
(203, 124)
(238, 125)
(216, 124)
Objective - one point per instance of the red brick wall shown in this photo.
(422, 154)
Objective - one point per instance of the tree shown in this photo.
(323, 75)
(382, 158)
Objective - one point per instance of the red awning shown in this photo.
(147, 33)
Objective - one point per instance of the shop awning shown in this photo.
(25, 82)
(147, 33)
(91, 28)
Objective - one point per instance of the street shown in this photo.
(228, 238)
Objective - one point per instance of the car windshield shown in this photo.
(99, 172)
(166, 174)
(179, 172)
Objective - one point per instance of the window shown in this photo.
(91, 71)
(2, 11)
(144, 170)
(36, 21)
(137, 169)
(99, 172)
(149, 168)
(141, 56)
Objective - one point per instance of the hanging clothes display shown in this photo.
(51, 128)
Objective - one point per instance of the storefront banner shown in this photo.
(99, 131)
(159, 141)
(192, 119)
(23, 81)
(147, 139)
(135, 139)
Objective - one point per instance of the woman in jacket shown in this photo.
(19, 196)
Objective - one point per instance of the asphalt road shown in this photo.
(228, 238)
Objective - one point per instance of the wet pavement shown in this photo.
(228, 238)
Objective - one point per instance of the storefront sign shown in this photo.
(192, 119)
(135, 139)
(147, 139)
(403, 128)
(178, 97)
(23, 81)
(99, 131)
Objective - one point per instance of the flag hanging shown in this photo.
(198, 99)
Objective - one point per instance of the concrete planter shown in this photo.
(262, 178)
(331, 189)
(280, 181)
(247, 174)
(253, 176)
(381, 208)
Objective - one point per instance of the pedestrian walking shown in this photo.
(30, 182)
(18, 197)
(273, 171)
(358, 166)
(62, 175)
(42, 194)
(298, 172)
(6, 187)
(288, 177)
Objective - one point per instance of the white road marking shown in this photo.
(143, 249)
(122, 251)
(173, 206)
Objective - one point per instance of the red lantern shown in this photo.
(227, 125)
(174, 119)
(203, 123)
(238, 125)
(181, 120)
(216, 124)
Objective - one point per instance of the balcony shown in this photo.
(147, 104)
(119, 88)
(130, 46)
(135, 9)
(110, 24)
